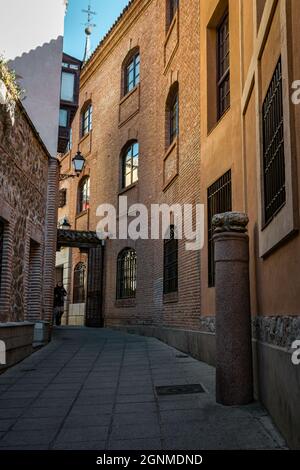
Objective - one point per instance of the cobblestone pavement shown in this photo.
(95, 389)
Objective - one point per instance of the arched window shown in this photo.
(172, 7)
(126, 274)
(131, 70)
(172, 114)
(171, 262)
(86, 119)
(79, 284)
(83, 195)
(130, 164)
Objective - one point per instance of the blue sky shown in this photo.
(107, 13)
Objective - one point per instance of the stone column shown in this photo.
(234, 378)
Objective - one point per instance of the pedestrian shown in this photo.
(59, 300)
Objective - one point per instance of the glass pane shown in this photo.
(63, 117)
(67, 86)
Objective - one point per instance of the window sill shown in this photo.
(128, 188)
(81, 214)
(125, 303)
(84, 137)
(129, 93)
(220, 119)
(170, 298)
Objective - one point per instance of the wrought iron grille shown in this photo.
(126, 274)
(273, 147)
(219, 200)
(171, 263)
(79, 283)
(223, 54)
(1, 248)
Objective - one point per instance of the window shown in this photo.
(132, 73)
(63, 118)
(67, 86)
(130, 165)
(1, 248)
(174, 119)
(223, 72)
(126, 274)
(172, 7)
(171, 263)
(273, 148)
(62, 199)
(218, 202)
(172, 110)
(86, 120)
(79, 284)
(84, 195)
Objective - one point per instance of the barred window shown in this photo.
(130, 164)
(132, 73)
(1, 248)
(171, 263)
(126, 274)
(79, 283)
(273, 148)
(86, 120)
(219, 200)
(84, 195)
(62, 198)
(223, 72)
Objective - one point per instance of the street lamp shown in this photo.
(78, 163)
(64, 224)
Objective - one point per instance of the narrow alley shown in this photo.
(97, 389)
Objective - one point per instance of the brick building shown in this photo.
(198, 93)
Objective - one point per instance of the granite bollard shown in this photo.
(234, 376)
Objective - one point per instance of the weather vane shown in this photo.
(88, 31)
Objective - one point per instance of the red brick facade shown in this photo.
(166, 174)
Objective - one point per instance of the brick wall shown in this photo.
(166, 57)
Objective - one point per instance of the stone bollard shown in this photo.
(234, 377)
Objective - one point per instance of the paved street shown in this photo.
(95, 389)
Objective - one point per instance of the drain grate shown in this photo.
(181, 356)
(27, 370)
(179, 389)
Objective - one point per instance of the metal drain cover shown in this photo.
(27, 370)
(179, 389)
(181, 356)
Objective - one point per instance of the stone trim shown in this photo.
(276, 330)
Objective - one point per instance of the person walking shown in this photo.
(59, 300)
